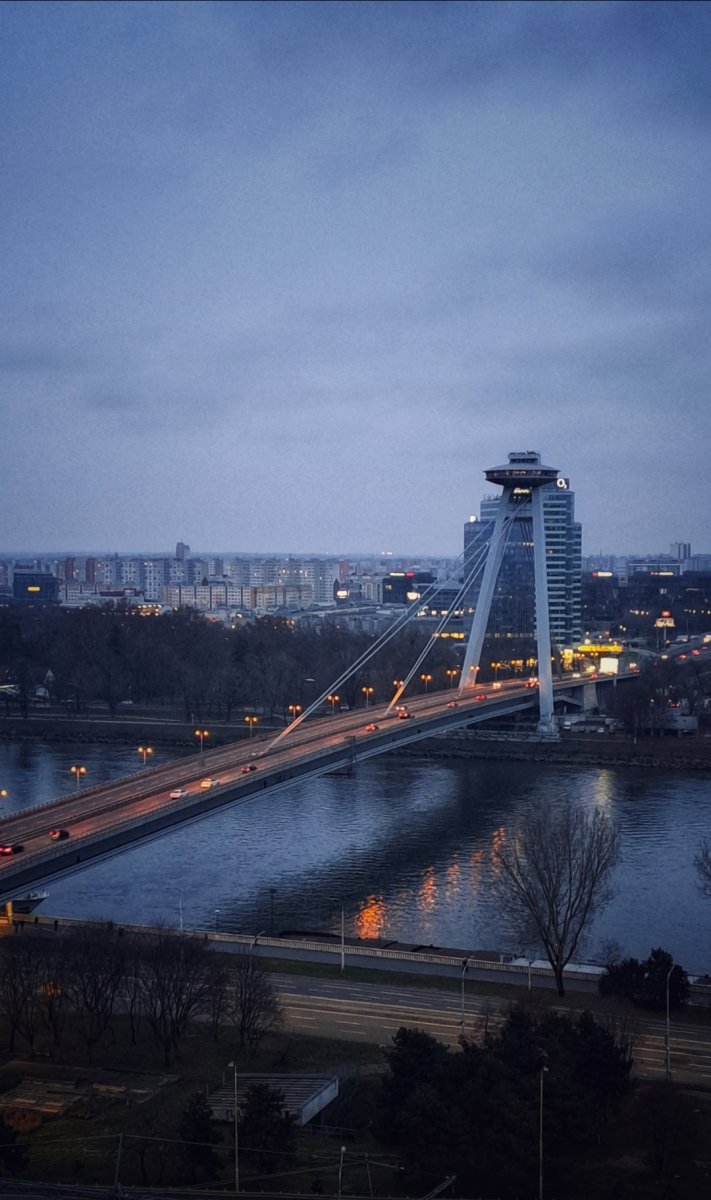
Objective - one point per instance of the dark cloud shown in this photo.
(386, 242)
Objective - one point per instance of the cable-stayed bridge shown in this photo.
(67, 834)
(102, 821)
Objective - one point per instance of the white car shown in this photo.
(177, 793)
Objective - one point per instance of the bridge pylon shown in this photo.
(521, 479)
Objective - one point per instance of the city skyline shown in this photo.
(287, 271)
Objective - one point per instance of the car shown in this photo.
(208, 783)
(496, 687)
(532, 682)
(248, 767)
(452, 704)
(371, 728)
(11, 848)
(177, 793)
(403, 713)
(58, 835)
(482, 696)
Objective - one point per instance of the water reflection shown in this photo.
(410, 846)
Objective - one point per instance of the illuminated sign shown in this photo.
(562, 484)
(32, 588)
(600, 648)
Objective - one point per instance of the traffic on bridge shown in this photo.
(66, 835)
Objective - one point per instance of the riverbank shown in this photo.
(606, 750)
(141, 724)
(589, 749)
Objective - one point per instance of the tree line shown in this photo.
(159, 982)
(81, 656)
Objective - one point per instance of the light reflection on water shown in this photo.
(407, 845)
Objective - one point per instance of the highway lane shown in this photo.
(373, 1013)
(103, 819)
(93, 811)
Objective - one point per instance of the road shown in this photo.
(373, 1013)
(101, 820)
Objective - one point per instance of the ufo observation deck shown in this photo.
(524, 469)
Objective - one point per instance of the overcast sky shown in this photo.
(290, 276)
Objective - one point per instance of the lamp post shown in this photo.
(146, 751)
(667, 1034)
(217, 920)
(465, 968)
(451, 674)
(294, 709)
(78, 773)
(340, 1172)
(272, 892)
(495, 666)
(4, 793)
(202, 734)
(251, 722)
(343, 932)
(333, 701)
(367, 692)
(427, 680)
(540, 1134)
(234, 1067)
(540, 1137)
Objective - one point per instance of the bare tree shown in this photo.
(702, 862)
(255, 1009)
(553, 876)
(174, 987)
(93, 975)
(22, 971)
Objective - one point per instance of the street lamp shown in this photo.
(217, 920)
(145, 751)
(272, 893)
(202, 734)
(78, 773)
(343, 932)
(451, 674)
(367, 692)
(251, 722)
(465, 968)
(234, 1066)
(495, 666)
(427, 680)
(540, 1135)
(667, 1035)
(4, 793)
(333, 701)
(294, 709)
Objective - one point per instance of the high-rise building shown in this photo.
(512, 612)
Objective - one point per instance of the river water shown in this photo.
(405, 844)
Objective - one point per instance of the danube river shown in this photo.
(405, 844)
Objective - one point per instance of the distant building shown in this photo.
(34, 587)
